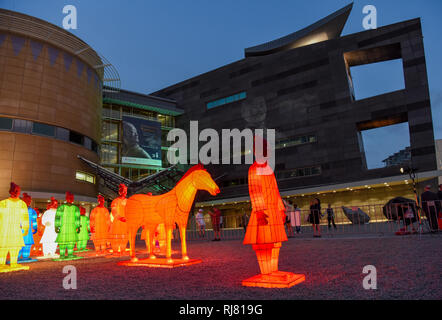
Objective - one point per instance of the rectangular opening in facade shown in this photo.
(374, 71)
(386, 146)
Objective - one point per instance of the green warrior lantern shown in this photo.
(83, 236)
(67, 226)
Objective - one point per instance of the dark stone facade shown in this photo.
(307, 90)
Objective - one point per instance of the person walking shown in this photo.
(200, 223)
(215, 215)
(330, 216)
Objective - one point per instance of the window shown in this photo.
(5, 124)
(227, 100)
(75, 137)
(23, 126)
(88, 143)
(62, 134)
(299, 172)
(294, 141)
(109, 153)
(43, 129)
(84, 176)
(109, 131)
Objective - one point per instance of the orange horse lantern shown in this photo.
(169, 208)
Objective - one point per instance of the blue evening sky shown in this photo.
(157, 43)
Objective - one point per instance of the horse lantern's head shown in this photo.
(203, 181)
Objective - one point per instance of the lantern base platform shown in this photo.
(26, 260)
(160, 263)
(82, 250)
(51, 256)
(278, 279)
(68, 258)
(13, 268)
(93, 254)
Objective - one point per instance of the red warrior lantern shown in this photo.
(265, 231)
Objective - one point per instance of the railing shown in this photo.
(377, 219)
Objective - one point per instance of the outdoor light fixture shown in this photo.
(169, 208)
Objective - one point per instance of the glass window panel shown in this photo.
(80, 176)
(43, 129)
(109, 153)
(75, 137)
(5, 124)
(22, 126)
(88, 143)
(62, 134)
(110, 130)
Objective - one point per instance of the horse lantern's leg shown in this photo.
(132, 234)
(183, 242)
(149, 239)
(169, 244)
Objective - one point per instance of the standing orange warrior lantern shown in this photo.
(37, 248)
(265, 230)
(14, 218)
(169, 208)
(100, 225)
(118, 232)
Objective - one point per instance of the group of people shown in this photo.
(66, 226)
(216, 217)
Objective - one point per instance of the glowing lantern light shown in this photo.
(118, 232)
(169, 208)
(25, 252)
(48, 240)
(14, 224)
(100, 224)
(83, 235)
(265, 230)
(67, 225)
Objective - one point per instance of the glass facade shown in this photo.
(84, 176)
(111, 143)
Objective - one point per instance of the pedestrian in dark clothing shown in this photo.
(216, 217)
(315, 217)
(331, 216)
(431, 207)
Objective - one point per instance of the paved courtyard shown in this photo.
(407, 268)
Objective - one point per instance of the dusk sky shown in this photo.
(154, 44)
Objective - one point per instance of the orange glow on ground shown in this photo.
(278, 279)
(160, 263)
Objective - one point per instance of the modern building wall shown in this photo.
(50, 108)
(439, 157)
(307, 91)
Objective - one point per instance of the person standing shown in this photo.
(200, 223)
(215, 215)
(315, 217)
(288, 214)
(295, 218)
(245, 221)
(431, 207)
(330, 216)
